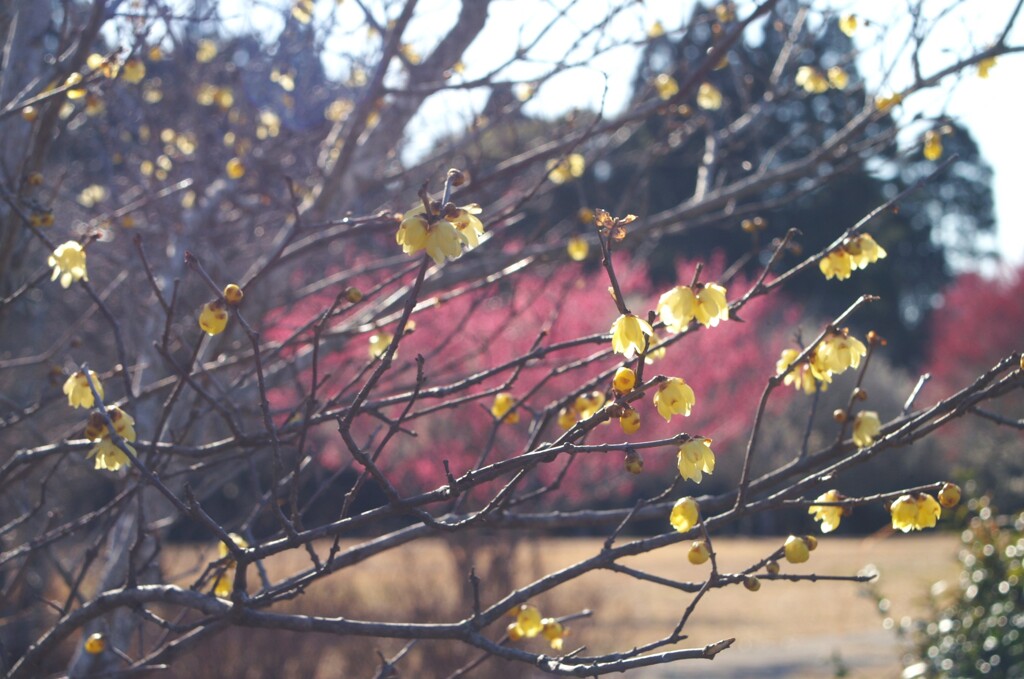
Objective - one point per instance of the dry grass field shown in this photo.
(784, 630)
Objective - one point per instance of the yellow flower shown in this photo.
(528, 621)
(503, 403)
(666, 86)
(588, 404)
(863, 250)
(655, 351)
(811, 79)
(624, 380)
(633, 463)
(233, 294)
(885, 102)
(796, 550)
(379, 343)
(914, 512)
(578, 248)
(554, 632)
(712, 306)
(630, 421)
(804, 376)
(95, 644)
(677, 307)
(694, 458)
(674, 397)
(838, 78)
(837, 352)
(108, 456)
(628, 333)
(513, 632)
(848, 24)
(134, 70)
(568, 168)
(836, 264)
(699, 552)
(656, 30)
(932, 145)
(828, 515)
(213, 317)
(685, 514)
(949, 495)
(709, 97)
(76, 388)
(865, 428)
(235, 168)
(412, 234)
(468, 224)
(240, 542)
(68, 262)
(986, 65)
(566, 418)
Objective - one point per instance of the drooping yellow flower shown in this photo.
(578, 248)
(666, 86)
(677, 307)
(804, 376)
(628, 335)
(467, 222)
(828, 515)
(656, 30)
(838, 352)
(441, 238)
(503, 403)
(986, 65)
(848, 24)
(624, 380)
(796, 550)
(655, 351)
(699, 552)
(528, 620)
(685, 514)
(865, 428)
(554, 632)
(444, 241)
(863, 250)
(213, 318)
(811, 79)
(914, 512)
(709, 97)
(412, 234)
(68, 262)
(674, 397)
(838, 78)
(836, 264)
(76, 388)
(568, 168)
(695, 458)
(106, 453)
(885, 102)
(712, 306)
(225, 581)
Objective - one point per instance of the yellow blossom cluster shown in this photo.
(704, 302)
(529, 623)
(709, 97)
(582, 408)
(568, 168)
(814, 81)
(107, 453)
(835, 354)
(441, 236)
(915, 511)
(854, 253)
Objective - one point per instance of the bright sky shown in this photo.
(988, 108)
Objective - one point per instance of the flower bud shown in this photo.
(457, 177)
(772, 567)
(633, 462)
(514, 632)
(752, 583)
(233, 294)
(796, 550)
(630, 421)
(839, 415)
(353, 295)
(624, 380)
(949, 495)
(95, 644)
(860, 394)
(699, 552)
